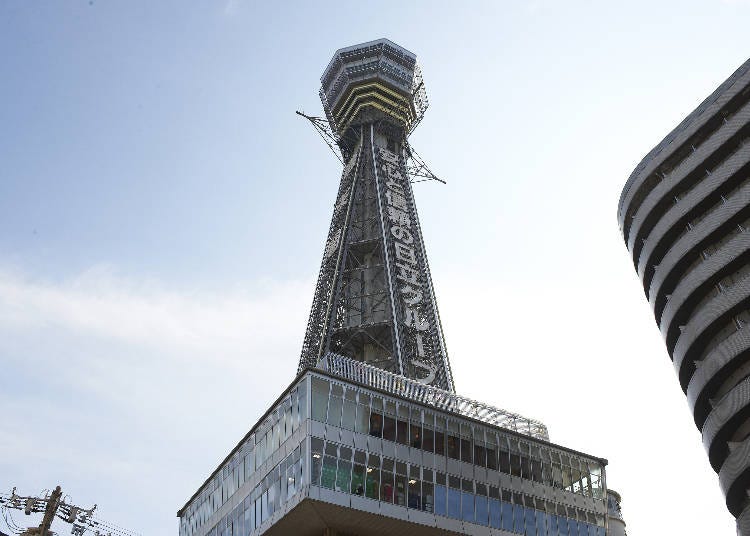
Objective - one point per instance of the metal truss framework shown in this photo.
(416, 168)
(374, 300)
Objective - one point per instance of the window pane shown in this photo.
(453, 448)
(328, 474)
(302, 400)
(515, 465)
(273, 493)
(541, 523)
(347, 419)
(525, 467)
(439, 443)
(440, 500)
(248, 522)
(372, 483)
(480, 456)
(376, 424)
(344, 475)
(415, 496)
(530, 521)
(504, 462)
(428, 496)
(467, 506)
(294, 415)
(401, 489)
(415, 431)
(454, 503)
(482, 512)
(363, 419)
(490, 458)
(389, 428)
(316, 446)
(334, 411)
(495, 513)
(264, 506)
(466, 451)
(319, 399)
(562, 526)
(386, 486)
(402, 432)
(358, 480)
(428, 440)
(552, 524)
(518, 520)
(249, 464)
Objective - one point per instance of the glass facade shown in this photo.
(243, 465)
(366, 474)
(353, 408)
(488, 498)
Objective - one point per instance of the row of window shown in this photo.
(356, 410)
(722, 193)
(680, 154)
(357, 472)
(282, 421)
(278, 486)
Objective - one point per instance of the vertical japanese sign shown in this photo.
(411, 291)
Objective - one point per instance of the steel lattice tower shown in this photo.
(374, 300)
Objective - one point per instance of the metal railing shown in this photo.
(389, 382)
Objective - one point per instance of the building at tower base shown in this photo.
(335, 454)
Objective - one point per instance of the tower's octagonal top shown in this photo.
(373, 80)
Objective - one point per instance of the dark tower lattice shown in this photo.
(374, 301)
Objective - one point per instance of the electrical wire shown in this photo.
(121, 529)
(12, 526)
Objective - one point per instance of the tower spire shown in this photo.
(374, 301)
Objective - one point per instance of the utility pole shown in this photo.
(54, 506)
(53, 503)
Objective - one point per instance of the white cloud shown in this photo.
(99, 303)
(122, 389)
(129, 392)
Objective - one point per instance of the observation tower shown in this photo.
(370, 438)
(374, 302)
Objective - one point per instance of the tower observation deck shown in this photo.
(374, 301)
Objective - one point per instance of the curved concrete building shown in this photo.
(616, 525)
(685, 217)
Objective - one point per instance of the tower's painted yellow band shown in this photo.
(393, 107)
(356, 88)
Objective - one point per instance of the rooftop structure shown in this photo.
(685, 216)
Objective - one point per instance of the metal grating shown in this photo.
(357, 371)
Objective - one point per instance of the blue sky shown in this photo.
(163, 213)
